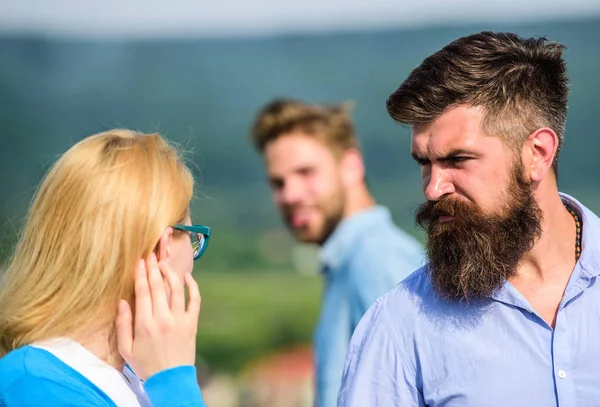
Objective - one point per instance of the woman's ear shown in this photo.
(164, 244)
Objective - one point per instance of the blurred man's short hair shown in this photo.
(330, 124)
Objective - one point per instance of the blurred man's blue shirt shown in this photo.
(365, 257)
(414, 349)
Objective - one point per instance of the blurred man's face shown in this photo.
(481, 215)
(306, 180)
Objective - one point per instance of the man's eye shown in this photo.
(456, 160)
(276, 184)
(305, 172)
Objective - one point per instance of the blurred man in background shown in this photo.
(317, 176)
(506, 311)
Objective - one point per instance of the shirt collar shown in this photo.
(348, 234)
(590, 233)
(587, 266)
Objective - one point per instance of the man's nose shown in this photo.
(436, 184)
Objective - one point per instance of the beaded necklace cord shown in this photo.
(578, 226)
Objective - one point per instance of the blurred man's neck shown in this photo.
(358, 199)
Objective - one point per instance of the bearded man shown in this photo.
(506, 312)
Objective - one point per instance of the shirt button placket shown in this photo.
(563, 380)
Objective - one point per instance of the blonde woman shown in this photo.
(92, 305)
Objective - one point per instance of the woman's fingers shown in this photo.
(164, 335)
(175, 285)
(124, 326)
(143, 299)
(194, 302)
(158, 291)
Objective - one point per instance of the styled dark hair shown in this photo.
(520, 83)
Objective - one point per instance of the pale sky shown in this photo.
(143, 18)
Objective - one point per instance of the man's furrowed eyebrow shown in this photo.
(451, 154)
(457, 152)
(417, 157)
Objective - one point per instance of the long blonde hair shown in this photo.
(101, 207)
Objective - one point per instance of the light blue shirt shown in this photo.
(413, 349)
(365, 257)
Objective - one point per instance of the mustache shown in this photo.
(429, 211)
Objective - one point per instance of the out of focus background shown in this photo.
(198, 72)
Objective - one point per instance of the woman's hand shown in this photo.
(163, 333)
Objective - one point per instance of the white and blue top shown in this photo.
(60, 373)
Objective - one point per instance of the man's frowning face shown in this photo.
(481, 216)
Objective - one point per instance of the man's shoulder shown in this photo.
(390, 241)
(413, 311)
(395, 234)
(398, 312)
(382, 258)
(408, 295)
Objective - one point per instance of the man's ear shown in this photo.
(353, 167)
(164, 244)
(539, 152)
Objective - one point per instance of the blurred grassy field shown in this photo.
(246, 315)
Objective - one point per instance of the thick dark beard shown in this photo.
(470, 257)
